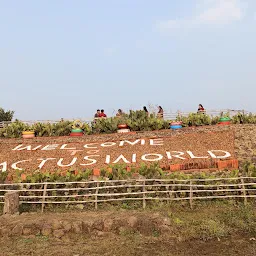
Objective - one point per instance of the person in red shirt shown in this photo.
(102, 114)
(200, 109)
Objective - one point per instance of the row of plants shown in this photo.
(120, 172)
(135, 120)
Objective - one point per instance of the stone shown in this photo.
(57, 225)
(98, 225)
(11, 203)
(78, 227)
(46, 230)
(58, 233)
(67, 226)
(108, 224)
(17, 230)
(30, 230)
(132, 221)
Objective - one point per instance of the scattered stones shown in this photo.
(17, 230)
(78, 227)
(46, 230)
(59, 233)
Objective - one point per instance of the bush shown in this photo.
(6, 115)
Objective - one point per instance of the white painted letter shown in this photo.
(64, 147)
(14, 166)
(119, 158)
(134, 158)
(4, 168)
(64, 165)
(50, 147)
(159, 157)
(131, 143)
(169, 156)
(93, 161)
(40, 166)
(107, 159)
(108, 144)
(20, 147)
(88, 145)
(156, 142)
(227, 154)
(193, 156)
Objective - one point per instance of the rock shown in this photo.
(102, 234)
(59, 233)
(132, 221)
(46, 230)
(108, 224)
(87, 226)
(78, 227)
(17, 230)
(67, 226)
(98, 225)
(80, 206)
(57, 225)
(164, 229)
(30, 230)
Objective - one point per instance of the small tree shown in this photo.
(6, 115)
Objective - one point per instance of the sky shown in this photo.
(66, 59)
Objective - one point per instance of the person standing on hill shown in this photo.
(102, 114)
(97, 114)
(200, 109)
(145, 109)
(160, 113)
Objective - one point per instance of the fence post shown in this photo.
(244, 191)
(191, 195)
(11, 203)
(144, 195)
(44, 194)
(96, 197)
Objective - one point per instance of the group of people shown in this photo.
(101, 113)
(160, 113)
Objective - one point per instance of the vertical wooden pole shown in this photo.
(96, 197)
(44, 194)
(144, 195)
(244, 191)
(191, 195)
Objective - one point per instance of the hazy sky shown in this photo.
(64, 58)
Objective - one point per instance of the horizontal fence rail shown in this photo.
(98, 192)
(167, 116)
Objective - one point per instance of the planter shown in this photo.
(176, 125)
(28, 134)
(224, 119)
(122, 126)
(123, 130)
(75, 134)
(225, 123)
(76, 130)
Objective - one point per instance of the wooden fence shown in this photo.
(100, 192)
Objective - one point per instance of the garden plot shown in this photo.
(101, 151)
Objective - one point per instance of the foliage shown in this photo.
(6, 115)
(195, 119)
(15, 129)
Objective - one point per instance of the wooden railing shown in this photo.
(100, 192)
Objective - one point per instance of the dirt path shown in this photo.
(138, 246)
